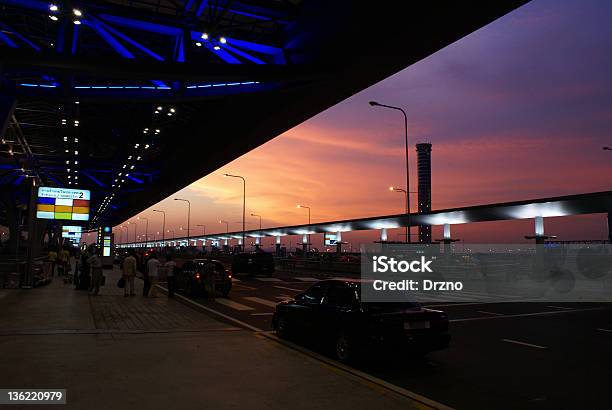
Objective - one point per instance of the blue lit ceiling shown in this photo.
(236, 74)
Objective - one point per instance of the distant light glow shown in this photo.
(77, 22)
(54, 18)
(204, 36)
(222, 40)
(77, 12)
(53, 7)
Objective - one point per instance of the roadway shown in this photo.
(511, 355)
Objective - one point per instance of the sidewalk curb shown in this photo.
(357, 373)
(332, 363)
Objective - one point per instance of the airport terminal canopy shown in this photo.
(135, 99)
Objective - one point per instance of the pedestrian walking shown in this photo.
(170, 265)
(153, 272)
(129, 272)
(52, 258)
(95, 264)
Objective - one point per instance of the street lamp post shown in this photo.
(135, 228)
(396, 189)
(307, 207)
(146, 230)
(163, 226)
(226, 225)
(377, 104)
(259, 216)
(243, 205)
(188, 217)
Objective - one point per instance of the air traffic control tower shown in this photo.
(424, 189)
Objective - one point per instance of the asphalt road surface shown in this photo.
(502, 355)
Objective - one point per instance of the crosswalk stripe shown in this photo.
(292, 289)
(261, 301)
(233, 305)
(269, 279)
(308, 279)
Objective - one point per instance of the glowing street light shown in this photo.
(163, 225)
(377, 104)
(188, 216)
(243, 205)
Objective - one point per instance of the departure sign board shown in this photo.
(330, 239)
(63, 204)
(72, 231)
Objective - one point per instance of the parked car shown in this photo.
(255, 263)
(190, 278)
(331, 313)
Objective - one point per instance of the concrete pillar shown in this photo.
(447, 232)
(447, 239)
(610, 226)
(278, 246)
(539, 230)
(339, 243)
(383, 235)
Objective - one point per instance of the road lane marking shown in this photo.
(308, 279)
(233, 305)
(435, 304)
(518, 342)
(236, 280)
(291, 289)
(605, 330)
(261, 301)
(525, 315)
(262, 314)
(560, 307)
(269, 279)
(240, 285)
(489, 313)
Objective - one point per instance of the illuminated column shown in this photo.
(447, 239)
(610, 226)
(383, 235)
(305, 243)
(278, 246)
(257, 243)
(339, 242)
(539, 230)
(447, 232)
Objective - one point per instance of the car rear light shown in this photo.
(197, 275)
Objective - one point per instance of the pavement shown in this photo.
(110, 351)
(502, 355)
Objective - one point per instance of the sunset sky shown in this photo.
(519, 109)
